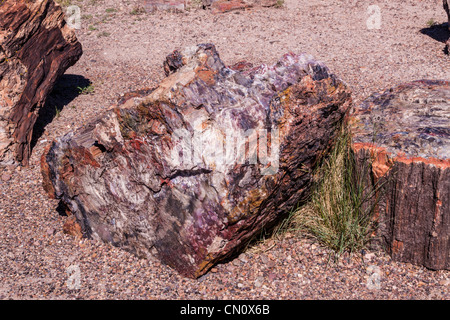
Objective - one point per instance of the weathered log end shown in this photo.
(404, 134)
(36, 47)
(198, 166)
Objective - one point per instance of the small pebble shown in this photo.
(259, 282)
(444, 282)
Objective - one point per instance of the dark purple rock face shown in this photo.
(195, 168)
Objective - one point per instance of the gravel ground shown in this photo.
(124, 51)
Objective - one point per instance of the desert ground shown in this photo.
(124, 49)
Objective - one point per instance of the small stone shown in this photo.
(6, 177)
(50, 231)
(243, 257)
(369, 256)
(444, 282)
(373, 269)
(272, 276)
(259, 282)
(373, 281)
(264, 259)
(237, 262)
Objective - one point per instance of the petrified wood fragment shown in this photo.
(404, 134)
(198, 166)
(36, 47)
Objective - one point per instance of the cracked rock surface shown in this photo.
(194, 168)
(36, 47)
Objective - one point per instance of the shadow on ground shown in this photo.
(65, 90)
(438, 32)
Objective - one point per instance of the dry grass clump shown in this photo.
(340, 212)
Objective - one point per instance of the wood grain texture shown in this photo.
(404, 134)
(36, 47)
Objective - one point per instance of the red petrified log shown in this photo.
(36, 47)
(198, 166)
(221, 6)
(404, 135)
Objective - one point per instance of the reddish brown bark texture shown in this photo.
(119, 177)
(404, 134)
(36, 47)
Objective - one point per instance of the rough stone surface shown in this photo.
(404, 135)
(36, 47)
(122, 178)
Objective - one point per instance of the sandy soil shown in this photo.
(124, 51)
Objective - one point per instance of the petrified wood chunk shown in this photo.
(36, 47)
(404, 133)
(221, 6)
(201, 164)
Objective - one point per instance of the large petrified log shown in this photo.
(36, 47)
(404, 134)
(200, 165)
